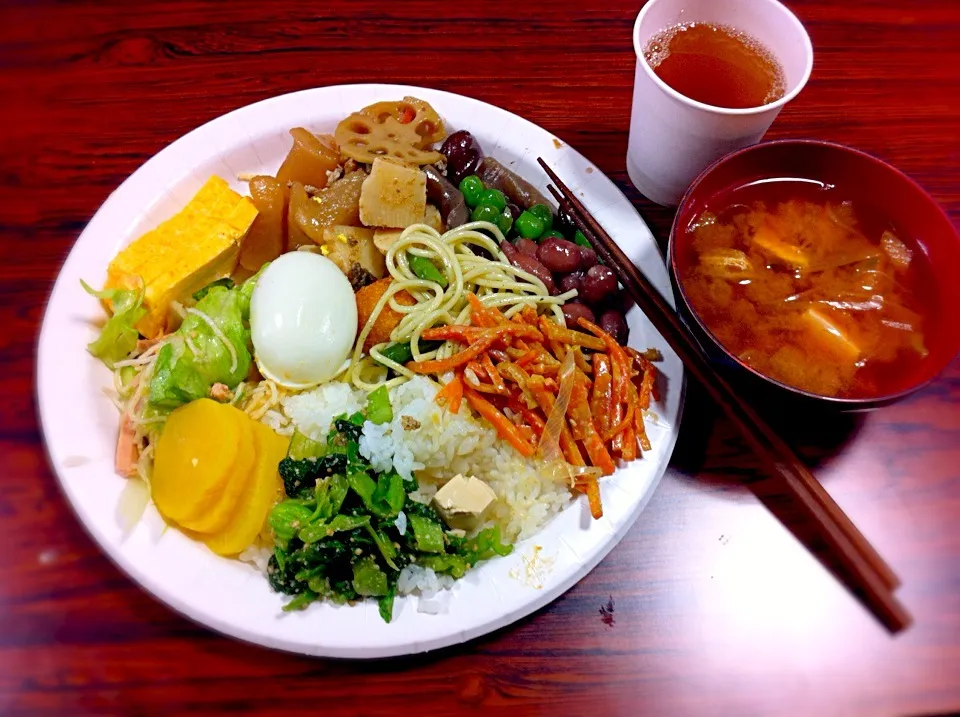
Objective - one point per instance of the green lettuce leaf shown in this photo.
(118, 337)
(245, 292)
(196, 357)
(226, 282)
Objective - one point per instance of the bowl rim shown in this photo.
(861, 402)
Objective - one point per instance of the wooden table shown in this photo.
(717, 609)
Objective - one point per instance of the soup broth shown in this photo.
(810, 287)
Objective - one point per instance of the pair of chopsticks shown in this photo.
(870, 577)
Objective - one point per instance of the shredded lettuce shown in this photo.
(118, 338)
(196, 357)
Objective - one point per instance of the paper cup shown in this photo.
(672, 137)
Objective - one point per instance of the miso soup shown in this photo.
(810, 287)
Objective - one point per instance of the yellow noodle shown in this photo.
(496, 283)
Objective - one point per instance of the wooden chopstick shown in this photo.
(871, 575)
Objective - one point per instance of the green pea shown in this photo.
(471, 187)
(493, 197)
(545, 213)
(580, 239)
(552, 233)
(505, 222)
(485, 213)
(529, 225)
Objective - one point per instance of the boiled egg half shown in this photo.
(303, 320)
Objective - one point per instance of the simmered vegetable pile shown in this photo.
(346, 531)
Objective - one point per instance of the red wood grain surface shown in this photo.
(709, 605)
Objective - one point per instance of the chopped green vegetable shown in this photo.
(415, 507)
(379, 409)
(339, 524)
(401, 352)
(338, 537)
(226, 283)
(551, 234)
(385, 604)
(303, 447)
(336, 494)
(427, 534)
(209, 347)
(471, 187)
(389, 496)
(387, 549)
(425, 269)
(484, 546)
(368, 578)
(384, 497)
(453, 565)
(300, 476)
(364, 486)
(118, 337)
(301, 601)
(288, 518)
(349, 428)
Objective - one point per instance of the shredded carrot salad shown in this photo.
(572, 395)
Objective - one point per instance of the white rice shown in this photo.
(257, 555)
(431, 589)
(313, 411)
(440, 446)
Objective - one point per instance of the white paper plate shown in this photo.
(80, 423)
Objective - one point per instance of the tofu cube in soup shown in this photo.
(352, 249)
(394, 195)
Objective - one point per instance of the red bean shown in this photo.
(572, 281)
(599, 283)
(527, 246)
(588, 257)
(621, 301)
(463, 155)
(531, 265)
(559, 255)
(510, 250)
(573, 310)
(614, 324)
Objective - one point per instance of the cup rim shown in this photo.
(729, 111)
